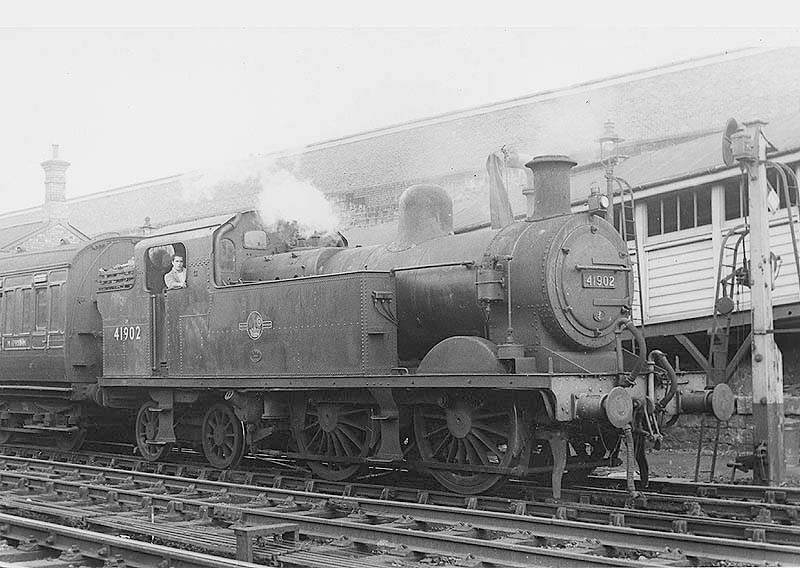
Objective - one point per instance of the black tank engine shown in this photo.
(473, 357)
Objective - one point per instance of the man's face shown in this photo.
(177, 263)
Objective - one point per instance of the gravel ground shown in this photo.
(680, 464)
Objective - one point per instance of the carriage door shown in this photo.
(159, 262)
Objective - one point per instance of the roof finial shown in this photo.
(55, 151)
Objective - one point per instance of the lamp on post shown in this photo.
(610, 157)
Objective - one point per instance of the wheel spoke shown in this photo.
(485, 441)
(350, 436)
(338, 445)
(437, 417)
(476, 450)
(460, 451)
(436, 431)
(353, 411)
(360, 426)
(489, 415)
(451, 450)
(490, 429)
(314, 438)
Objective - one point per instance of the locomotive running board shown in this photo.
(468, 381)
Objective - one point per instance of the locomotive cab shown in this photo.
(139, 318)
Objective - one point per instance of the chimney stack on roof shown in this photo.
(55, 184)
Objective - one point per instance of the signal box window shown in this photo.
(736, 205)
(679, 211)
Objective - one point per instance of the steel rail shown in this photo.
(528, 550)
(584, 506)
(104, 547)
(732, 501)
(543, 528)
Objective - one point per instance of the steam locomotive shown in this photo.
(472, 357)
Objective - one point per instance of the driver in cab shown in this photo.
(176, 278)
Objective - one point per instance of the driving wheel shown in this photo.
(465, 436)
(330, 434)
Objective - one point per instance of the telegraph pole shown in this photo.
(750, 149)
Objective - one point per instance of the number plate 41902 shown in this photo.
(599, 280)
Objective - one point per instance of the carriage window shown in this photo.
(56, 309)
(256, 240)
(9, 324)
(27, 319)
(41, 309)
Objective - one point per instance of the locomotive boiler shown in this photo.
(472, 357)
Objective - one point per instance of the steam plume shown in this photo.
(277, 194)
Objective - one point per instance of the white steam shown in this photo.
(279, 196)
(284, 197)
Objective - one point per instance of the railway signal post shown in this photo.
(750, 149)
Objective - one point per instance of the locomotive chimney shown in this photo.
(550, 194)
(426, 211)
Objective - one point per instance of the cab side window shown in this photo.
(158, 262)
(225, 257)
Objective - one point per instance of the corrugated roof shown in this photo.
(689, 159)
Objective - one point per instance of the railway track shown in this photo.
(343, 517)
(31, 542)
(681, 501)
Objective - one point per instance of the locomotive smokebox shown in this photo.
(550, 195)
(426, 212)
